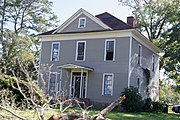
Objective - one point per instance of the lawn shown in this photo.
(114, 115)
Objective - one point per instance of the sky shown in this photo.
(66, 8)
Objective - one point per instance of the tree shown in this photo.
(159, 20)
(21, 20)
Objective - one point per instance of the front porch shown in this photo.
(78, 80)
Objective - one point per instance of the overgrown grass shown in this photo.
(114, 115)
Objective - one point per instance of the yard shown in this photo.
(114, 115)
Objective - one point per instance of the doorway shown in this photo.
(78, 85)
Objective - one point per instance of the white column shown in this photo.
(81, 83)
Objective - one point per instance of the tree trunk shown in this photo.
(100, 116)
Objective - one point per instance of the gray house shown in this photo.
(96, 57)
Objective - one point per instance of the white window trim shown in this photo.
(153, 61)
(113, 51)
(112, 82)
(52, 50)
(49, 82)
(77, 50)
(84, 22)
(140, 61)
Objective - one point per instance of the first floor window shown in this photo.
(52, 82)
(107, 84)
(138, 85)
(55, 51)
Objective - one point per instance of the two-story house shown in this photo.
(96, 57)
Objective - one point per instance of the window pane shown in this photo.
(109, 50)
(139, 54)
(81, 48)
(108, 84)
(82, 22)
(52, 83)
(55, 52)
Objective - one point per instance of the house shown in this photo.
(96, 57)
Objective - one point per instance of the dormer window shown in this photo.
(82, 23)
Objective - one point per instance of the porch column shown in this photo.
(81, 83)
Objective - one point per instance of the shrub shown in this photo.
(133, 101)
(148, 105)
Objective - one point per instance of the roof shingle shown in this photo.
(113, 22)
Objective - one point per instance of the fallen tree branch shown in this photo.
(14, 114)
(80, 116)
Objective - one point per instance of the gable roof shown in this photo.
(113, 22)
(105, 20)
(76, 15)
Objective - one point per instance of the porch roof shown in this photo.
(73, 66)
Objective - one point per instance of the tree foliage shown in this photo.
(160, 21)
(20, 21)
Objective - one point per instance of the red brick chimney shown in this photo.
(131, 21)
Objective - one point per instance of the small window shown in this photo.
(109, 50)
(80, 50)
(82, 23)
(108, 84)
(52, 82)
(55, 51)
(139, 54)
(153, 63)
(138, 85)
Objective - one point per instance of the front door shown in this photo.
(78, 85)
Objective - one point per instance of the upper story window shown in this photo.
(108, 83)
(109, 50)
(80, 50)
(55, 51)
(153, 63)
(139, 60)
(82, 23)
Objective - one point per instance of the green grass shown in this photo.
(114, 115)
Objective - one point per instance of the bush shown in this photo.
(148, 105)
(133, 101)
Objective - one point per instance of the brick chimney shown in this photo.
(131, 21)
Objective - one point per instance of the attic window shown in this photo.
(82, 23)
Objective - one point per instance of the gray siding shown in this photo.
(138, 72)
(94, 59)
(90, 26)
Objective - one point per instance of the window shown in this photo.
(138, 85)
(139, 54)
(80, 50)
(82, 23)
(55, 51)
(109, 50)
(153, 63)
(52, 82)
(107, 84)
